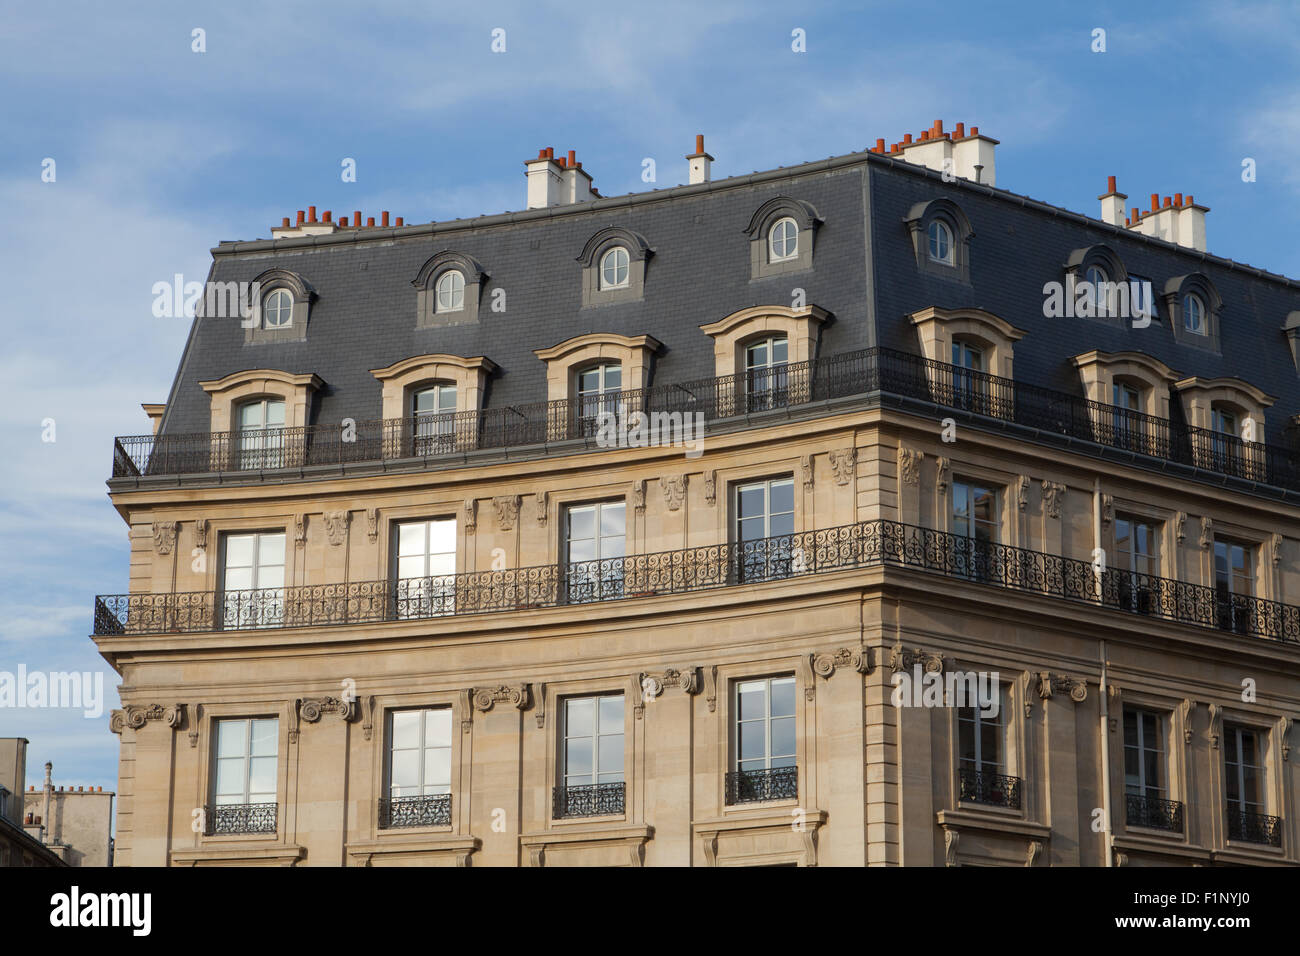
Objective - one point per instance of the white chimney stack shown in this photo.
(577, 182)
(962, 155)
(1177, 220)
(545, 180)
(1112, 204)
(701, 162)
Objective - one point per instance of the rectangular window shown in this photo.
(982, 759)
(434, 413)
(419, 769)
(595, 544)
(1244, 781)
(970, 385)
(1136, 543)
(245, 780)
(1146, 791)
(975, 529)
(425, 580)
(591, 757)
(261, 434)
(764, 529)
(767, 376)
(1233, 585)
(1127, 411)
(763, 744)
(252, 580)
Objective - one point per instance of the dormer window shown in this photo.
(433, 409)
(451, 291)
(940, 242)
(783, 240)
(1194, 313)
(614, 269)
(277, 310)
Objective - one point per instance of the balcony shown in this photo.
(991, 789)
(866, 544)
(589, 800)
(226, 819)
(428, 811)
(754, 786)
(1153, 813)
(432, 440)
(1250, 827)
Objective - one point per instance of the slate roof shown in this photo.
(365, 314)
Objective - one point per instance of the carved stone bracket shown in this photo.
(1107, 509)
(1185, 715)
(1050, 684)
(903, 659)
(336, 526)
(201, 533)
(484, 698)
(507, 509)
(1180, 521)
(1216, 725)
(951, 837)
(843, 461)
(909, 465)
(806, 677)
(1284, 735)
(541, 501)
(164, 536)
(858, 659)
(136, 717)
(1121, 859)
(540, 708)
(1276, 549)
(372, 524)
(650, 686)
(471, 514)
(368, 719)
(674, 489)
(299, 530)
(711, 687)
(711, 487)
(1022, 492)
(194, 723)
(1207, 533)
(1053, 497)
(806, 471)
(311, 709)
(638, 495)
(942, 473)
(1033, 852)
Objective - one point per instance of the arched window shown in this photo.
(1194, 313)
(767, 380)
(260, 439)
(433, 409)
(614, 268)
(451, 291)
(940, 242)
(277, 309)
(783, 240)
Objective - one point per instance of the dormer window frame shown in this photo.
(1097, 264)
(431, 313)
(276, 283)
(595, 291)
(1176, 294)
(763, 257)
(919, 220)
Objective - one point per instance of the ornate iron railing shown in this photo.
(994, 789)
(1252, 827)
(588, 800)
(865, 544)
(433, 437)
(225, 818)
(428, 811)
(1153, 812)
(752, 786)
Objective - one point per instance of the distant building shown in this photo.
(18, 847)
(75, 824)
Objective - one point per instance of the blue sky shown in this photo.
(161, 152)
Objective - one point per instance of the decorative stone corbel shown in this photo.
(711, 687)
(1034, 851)
(806, 471)
(484, 698)
(1107, 509)
(711, 487)
(824, 665)
(1207, 532)
(136, 717)
(674, 489)
(942, 473)
(336, 526)
(1022, 492)
(709, 841)
(1053, 497)
(164, 536)
(909, 465)
(372, 524)
(1216, 725)
(368, 718)
(638, 495)
(299, 530)
(541, 501)
(201, 533)
(1180, 521)
(540, 710)
(1049, 683)
(293, 723)
(1185, 716)
(1027, 680)
(471, 514)
(1121, 859)
(644, 688)
(806, 677)
(901, 659)
(507, 509)
(194, 722)
(310, 709)
(951, 837)
(843, 461)
(1283, 736)
(1276, 550)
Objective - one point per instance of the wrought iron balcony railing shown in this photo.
(753, 786)
(436, 437)
(1252, 827)
(1153, 813)
(862, 545)
(230, 818)
(588, 800)
(994, 789)
(427, 811)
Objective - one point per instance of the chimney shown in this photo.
(1112, 204)
(49, 790)
(966, 155)
(545, 180)
(1177, 219)
(700, 162)
(576, 183)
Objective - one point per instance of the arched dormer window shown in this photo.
(756, 346)
(259, 411)
(585, 367)
(781, 235)
(1194, 306)
(448, 290)
(431, 393)
(277, 308)
(614, 267)
(941, 235)
(1228, 426)
(1097, 286)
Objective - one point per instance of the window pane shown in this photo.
(275, 412)
(406, 729)
(753, 700)
(406, 768)
(582, 522)
(611, 715)
(612, 521)
(437, 767)
(783, 736)
(753, 739)
(239, 550)
(230, 776)
(578, 717)
(410, 538)
(264, 737)
(231, 738)
(783, 697)
(261, 775)
(437, 727)
(611, 754)
(577, 757)
(782, 496)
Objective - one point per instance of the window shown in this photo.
(591, 758)
(1233, 585)
(763, 746)
(764, 527)
(1095, 276)
(975, 530)
(1194, 314)
(260, 442)
(451, 291)
(940, 236)
(277, 310)
(1135, 564)
(245, 786)
(970, 386)
(1244, 781)
(598, 389)
(981, 757)
(425, 583)
(419, 769)
(433, 410)
(1127, 401)
(767, 379)
(1146, 794)
(614, 266)
(784, 240)
(595, 540)
(253, 580)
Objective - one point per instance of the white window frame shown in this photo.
(267, 609)
(426, 594)
(597, 733)
(245, 797)
(1143, 747)
(613, 261)
(1194, 306)
(277, 303)
(785, 231)
(424, 787)
(939, 233)
(449, 295)
(766, 720)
